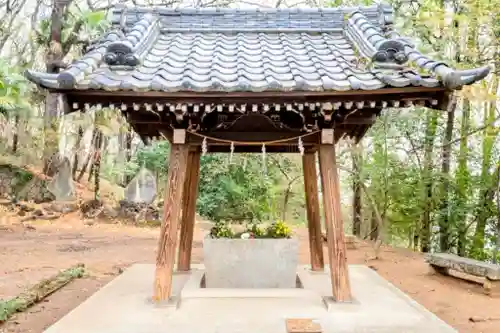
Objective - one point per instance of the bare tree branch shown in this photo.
(8, 27)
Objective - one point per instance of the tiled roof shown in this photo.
(253, 50)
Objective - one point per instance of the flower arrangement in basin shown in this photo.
(255, 257)
(278, 229)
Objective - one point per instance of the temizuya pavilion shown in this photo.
(285, 80)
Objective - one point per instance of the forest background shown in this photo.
(422, 179)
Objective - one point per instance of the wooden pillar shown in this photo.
(313, 214)
(341, 288)
(171, 214)
(189, 211)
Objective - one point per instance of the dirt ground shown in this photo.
(28, 255)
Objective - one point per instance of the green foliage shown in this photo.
(238, 191)
(13, 91)
(91, 25)
(19, 177)
(278, 230)
(338, 3)
(153, 157)
(9, 307)
(38, 292)
(255, 230)
(221, 230)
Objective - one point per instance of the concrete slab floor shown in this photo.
(124, 306)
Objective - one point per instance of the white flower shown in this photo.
(245, 235)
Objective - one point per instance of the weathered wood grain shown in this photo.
(302, 325)
(313, 213)
(189, 211)
(341, 288)
(171, 215)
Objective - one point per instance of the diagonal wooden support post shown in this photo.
(341, 288)
(171, 214)
(313, 213)
(189, 211)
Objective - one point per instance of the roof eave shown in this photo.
(398, 50)
(456, 79)
(42, 79)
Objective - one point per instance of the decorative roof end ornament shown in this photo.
(127, 48)
(121, 53)
(391, 52)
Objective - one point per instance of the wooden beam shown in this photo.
(189, 211)
(341, 288)
(171, 215)
(364, 119)
(264, 94)
(313, 215)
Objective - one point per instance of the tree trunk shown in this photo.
(356, 193)
(89, 155)
(286, 199)
(462, 177)
(51, 137)
(77, 151)
(97, 167)
(416, 238)
(92, 167)
(285, 202)
(427, 181)
(374, 229)
(53, 62)
(15, 136)
(97, 149)
(482, 211)
(410, 238)
(444, 221)
(497, 243)
(128, 153)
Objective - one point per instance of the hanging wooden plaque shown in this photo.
(179, 136)
(327, 136)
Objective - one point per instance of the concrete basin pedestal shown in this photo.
(250, 263)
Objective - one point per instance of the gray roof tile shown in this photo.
(252, 50)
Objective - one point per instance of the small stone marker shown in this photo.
(302, 325)
(142, 188)
(62, 186)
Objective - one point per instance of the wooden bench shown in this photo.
(444, 262)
